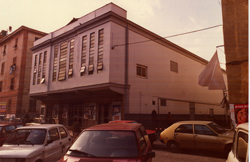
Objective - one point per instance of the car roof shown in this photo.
(115, 126)
(243, 126)
(122, 121)
(42, 126)
(194, 122)
(4, 124)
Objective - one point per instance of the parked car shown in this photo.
(239, 152)
(111, 142)
(197, 135)
(6, 129)
(38, 121)
(151, 133)
(37, 143)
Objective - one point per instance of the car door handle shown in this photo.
(195, 136)
(60, 143)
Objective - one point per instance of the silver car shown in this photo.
(37, 143)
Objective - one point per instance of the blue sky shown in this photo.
(163, 17)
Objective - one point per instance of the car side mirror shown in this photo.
(150, 155)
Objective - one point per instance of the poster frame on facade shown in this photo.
(116, 112)
(241, 113)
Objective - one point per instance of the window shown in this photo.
(32, 106)
(16, 42)
(91, 53)
(62, 61)
(12, 84)
(203, 130)
(9, 107)
(83, 57)
(163, 102)
(39, 68)
(1, 86)
(4, 50)
(63, 133)
(141, 71)
(44, 67)
(53, 134)
(241, 148)
(174, 66)
(34, 72)
(142, 142)
(185, 128)
(100, 51)
(71, 58)
(2, 68)
(55, 63)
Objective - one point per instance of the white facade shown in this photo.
(121, 54)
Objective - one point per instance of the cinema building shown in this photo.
(103, 67)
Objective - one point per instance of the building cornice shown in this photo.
(22, 28)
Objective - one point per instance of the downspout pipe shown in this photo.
(126, 71)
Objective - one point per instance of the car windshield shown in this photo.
(217, 128)
(27, 136)
(105, 144)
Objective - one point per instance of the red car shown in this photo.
(111, 142)
(6, 129)
(151, 133)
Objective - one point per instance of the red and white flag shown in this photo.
(211, 76)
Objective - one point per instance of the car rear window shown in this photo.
(114, 144)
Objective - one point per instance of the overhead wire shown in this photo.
(168, 36)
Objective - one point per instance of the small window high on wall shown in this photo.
(174, 66)
(141, 71)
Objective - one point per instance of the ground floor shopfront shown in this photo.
(87, 108)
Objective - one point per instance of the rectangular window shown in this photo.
(39, 68)
(34, 72)
(16, 42)
(55, 63)
(1, 86)
(62, 61)
(91, 53)
(14, 64)
(100, 50)
(174, 66)
(2, 68)
(163, 102)
(141, 71)
(4, 50)
(71, 58)
(9, 106)
(44, 66)
(83, 57)
(12, 84)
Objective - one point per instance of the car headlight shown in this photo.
(20, 160)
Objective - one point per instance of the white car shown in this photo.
(239, 152)
(37, 143)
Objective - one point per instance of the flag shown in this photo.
(211, 76)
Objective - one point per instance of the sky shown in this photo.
(162, 17)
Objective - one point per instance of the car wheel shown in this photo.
(173, 146)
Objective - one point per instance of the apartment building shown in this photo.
(15, 70)
(103, 67)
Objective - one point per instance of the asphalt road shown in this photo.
(162, 155)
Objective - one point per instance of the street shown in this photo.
(162, 155)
